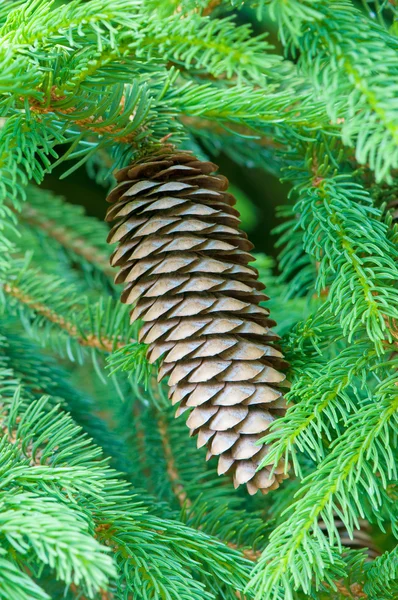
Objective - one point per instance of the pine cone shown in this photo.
(184, 263)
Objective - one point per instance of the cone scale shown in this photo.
(185, 267)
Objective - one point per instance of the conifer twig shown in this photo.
(180, 491)
(90, 123)
(93, 341)
(355, 590)
(61, 234)
(213, 4)
(199, 123)
(172, 471)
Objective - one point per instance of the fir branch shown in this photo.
(217, 46)
(29, 522)
(337, 62)
(80, 235)
(350, 467)
(323, 393)
(382, 576)
(362, 289)
(14, 583)
(50, 306)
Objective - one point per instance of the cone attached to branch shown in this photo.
(185, 267)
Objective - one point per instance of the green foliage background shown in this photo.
(102, 493)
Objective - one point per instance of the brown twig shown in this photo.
(393, 328)
(104, 344)
(90, 123)
(354, 591)
(64, 237)
(213, 4)
(172, 471)
(180, 491)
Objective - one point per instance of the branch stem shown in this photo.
(100, 343)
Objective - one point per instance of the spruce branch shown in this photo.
(80, 235)
(147, 549)
(297, 267)
(172, 471)
(110, 80)
(238, 142)
(218, 47)
(14, 583)
(103, 594)
(247, 107)
(83, 477)
(24, 151)
(29, 522)
(178, 488)
(197, 125)
(382, 576)
(212, 5)
(70, 327)
(119, 125)
(132, 359)
(56, 314)
(202, 501)
(350, 467)
(40, 24)
(33, 525)
(194, 496)
(31, 463)
(358, 267)
(337, 62)
(323, 396)
(40, 375)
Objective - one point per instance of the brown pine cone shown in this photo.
(185, 266)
